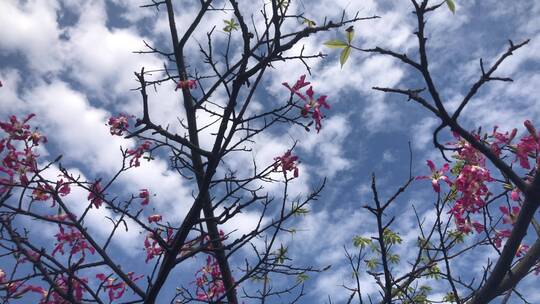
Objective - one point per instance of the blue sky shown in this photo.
(71, 62)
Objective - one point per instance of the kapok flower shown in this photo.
(437, 175)
(300, 83)
(287, 162)
(118, 124)
(500, 235)
(62, 188)
(145, 195)
(514, 195)
(137, 153)
(73, 239)
(209, 283)
(154, 218)
(94, 196)
(315, 106)
(186, 84)
(510, 216)
(115, 290)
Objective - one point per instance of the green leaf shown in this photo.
(451, 5)
(302, 278)
(230, 25)
(361, 242)
(344, 55)
(336, 44)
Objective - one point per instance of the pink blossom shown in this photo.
(500, 235)
(510, 216)
(154, 218)
(62, 188)
(115, 290)
(186, 84)
(118, 124)
(73, 285)
(137, 153)
(514, 195)
(436, 176)
(315, 106)
(300, 83)
(209, 283)
(73, 239)
(41, 192)
(95, 195)
(145, 195)
(287, 162)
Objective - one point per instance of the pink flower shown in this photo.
(510, 217)
(514, 195)
(186, 84)
(41, 192)
(73, 239)
(115, 290)
(300, 83)
(118, 124)
(209, 283)
(62, 188)
(467, 226)
(500, 235)
(315, 106)
(501, 140)
(137, 153)
(436, 176)
(154, 218)
(72, 285)
(145, 195)
(287, 162)
(95, 195)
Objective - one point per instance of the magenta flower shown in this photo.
(145, 195)
(73, 239)
(154, 218)
(137, 153)
(118, 124)
(436, 176)
(186, 84)
(115, 289)
(510, 216)
(95, 194)
(300, 83)
(315, 106)
(287, 162)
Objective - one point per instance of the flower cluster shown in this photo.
(65, 285)
(17, 152)
(152, 246)
(145, 196)
(470, 188)
(74, 239)
(528, 146)
(312, 105)
(287, 162)
(115, 290)
(118, 124)
(95, 194)
(209, 281)
(137, 153)
(186, 84)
